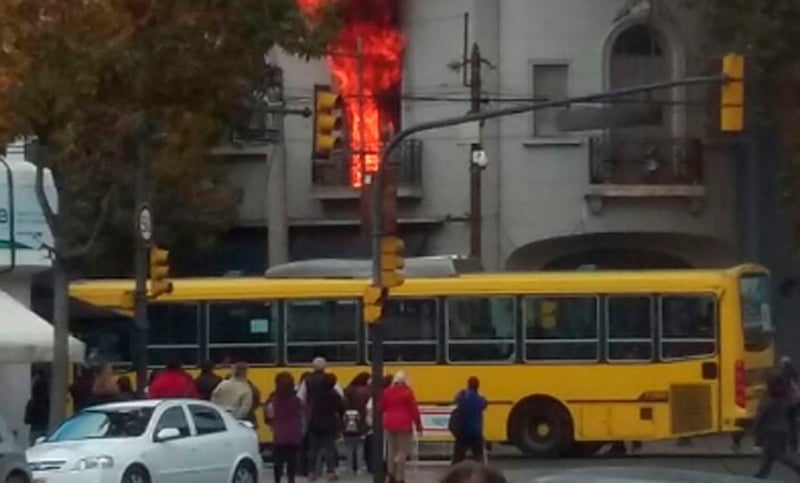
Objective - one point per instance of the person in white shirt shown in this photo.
(234, 394)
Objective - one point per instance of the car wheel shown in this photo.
(135, 474)
(245, 473)
(17, 478)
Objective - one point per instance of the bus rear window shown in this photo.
(756, 312)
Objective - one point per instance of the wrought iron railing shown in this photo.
(406, 162)
(627, 161)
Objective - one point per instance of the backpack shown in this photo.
(455, 423)
(352, 423)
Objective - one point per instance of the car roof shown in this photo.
(640, 474)
(144, 403)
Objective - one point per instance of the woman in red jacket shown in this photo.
(400, 416)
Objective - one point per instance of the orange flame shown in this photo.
(371, 21)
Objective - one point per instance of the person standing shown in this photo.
(400, 416)
(468, 429)
(771, 427)
(172, 383)
(207, 381)
(283, 411)
(81, 390)
(104, 389)
(790, 377)
(324, 423)
(234, 394)
(37, 411)
(356, 396)
(126, 392)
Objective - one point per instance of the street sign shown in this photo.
(145, 224)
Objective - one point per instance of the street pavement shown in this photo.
(710, 454)
(519, 471)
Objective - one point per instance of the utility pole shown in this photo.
(277, 222)
(142, 236)
(475, 169)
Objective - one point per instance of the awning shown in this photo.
(25, 337)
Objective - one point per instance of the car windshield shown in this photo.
(103, 423)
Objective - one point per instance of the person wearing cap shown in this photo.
(234, 394)
(400, 416)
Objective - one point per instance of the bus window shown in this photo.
(480, 329)
(242, 331)
(409, 330)
(560, 328)
(173, 333)
(321, 328)
(629, 328)
(688, 326)
(756, 313)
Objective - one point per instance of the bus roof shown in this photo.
(109, 293)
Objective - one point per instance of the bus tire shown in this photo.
(541, 427)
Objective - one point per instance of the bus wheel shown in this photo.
(585, 449)
(542, 428)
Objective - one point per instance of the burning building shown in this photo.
(370, 82)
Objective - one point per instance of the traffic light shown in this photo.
(372, 304)
(159, 271)
(328, 122)
(732, 102)
(392, 262)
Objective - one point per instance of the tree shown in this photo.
(95, 80)
(768, 32)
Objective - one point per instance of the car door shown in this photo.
(174, 460)
(215, 450)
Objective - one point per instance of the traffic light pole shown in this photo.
(377, 212)
(142, 241)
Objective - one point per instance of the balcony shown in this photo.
(330, 178)
(645, 168)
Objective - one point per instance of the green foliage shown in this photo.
(85, 76)
(768, 32)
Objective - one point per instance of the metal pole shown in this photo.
(141, 263)
(482, 116)
(361, 128)
(475, 171)
(277, 222)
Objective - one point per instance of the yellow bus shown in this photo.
(567, 360)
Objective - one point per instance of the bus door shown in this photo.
(689, 355)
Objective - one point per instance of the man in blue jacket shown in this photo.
(469, 428)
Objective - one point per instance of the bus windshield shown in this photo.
(756, 311)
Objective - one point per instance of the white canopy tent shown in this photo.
(27, 338)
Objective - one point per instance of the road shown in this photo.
(520, 470)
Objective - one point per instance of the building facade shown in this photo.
(643, 181)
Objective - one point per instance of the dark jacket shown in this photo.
(771, 425)
(37, 411)
(326, 412)
(256, 403)
(81, 391)
(316, 385)
(206, 383)
(286, 419)
(470, 405)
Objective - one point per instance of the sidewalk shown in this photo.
(705, 446)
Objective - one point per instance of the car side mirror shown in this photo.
(38, 440)
(167, 434)
(248, 425)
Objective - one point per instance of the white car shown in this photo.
(154, 441)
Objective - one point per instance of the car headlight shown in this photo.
(94, 462)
